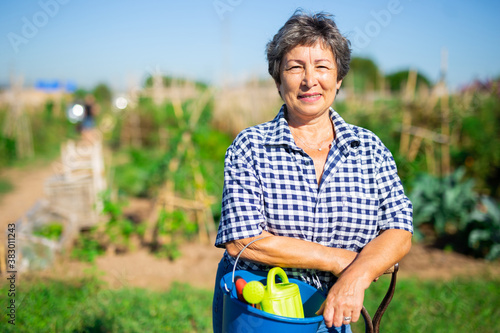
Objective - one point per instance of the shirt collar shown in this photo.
(279, 132)
(346, 138)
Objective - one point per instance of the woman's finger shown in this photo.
(339, 318)
(347, 318)
(328, 315)
(355, 315)
(321, 309)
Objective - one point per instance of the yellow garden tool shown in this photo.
(282, 299)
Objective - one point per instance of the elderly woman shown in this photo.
(324, 194)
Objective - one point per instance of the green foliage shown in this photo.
(87, 247)
(176, 227)
(7, 150)
(484, 226)
(142, 172)
(51, 230)
(364, 74)
(169, 81)
(458, 305)
(145, 169)
(480, 142)
(458, 216)
(48, 131)
(118, 229)
(80, 94)
(102, 93)
(397, 81)
(87, 306)
(5, 186)
(171, 223)
(447, 202)
(211, 148)
(116, 232)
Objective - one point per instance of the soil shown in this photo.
(198, 262)
(28, 185)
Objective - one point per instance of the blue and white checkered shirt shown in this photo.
(270, 184)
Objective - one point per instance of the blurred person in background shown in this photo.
(324, 194)
(90, 111)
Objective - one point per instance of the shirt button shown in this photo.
(306, 162)
(318, 239)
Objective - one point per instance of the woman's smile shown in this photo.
(309, 98)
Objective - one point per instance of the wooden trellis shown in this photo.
(167, 199)
(17, 125)
(412, 137)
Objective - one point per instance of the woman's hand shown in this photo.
(345, 299)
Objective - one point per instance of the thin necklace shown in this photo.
(305, 144)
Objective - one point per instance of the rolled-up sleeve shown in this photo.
(242, 213)
(395, 209)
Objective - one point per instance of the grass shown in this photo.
(87, 306)
(460, 305)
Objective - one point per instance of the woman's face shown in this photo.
(308, 80)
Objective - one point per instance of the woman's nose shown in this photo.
(309, 79)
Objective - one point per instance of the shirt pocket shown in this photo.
(358, 219)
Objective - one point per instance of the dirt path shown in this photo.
(28, 188)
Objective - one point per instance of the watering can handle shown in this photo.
(271, 278)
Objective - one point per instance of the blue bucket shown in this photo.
(239, 317)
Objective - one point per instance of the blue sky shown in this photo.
(120, 42)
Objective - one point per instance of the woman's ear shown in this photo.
(339, 83)
(278, 86)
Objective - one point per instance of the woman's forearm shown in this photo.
(380, 254)
(291, 252)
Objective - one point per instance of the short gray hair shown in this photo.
(307, 29)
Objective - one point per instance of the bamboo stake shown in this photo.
(415, 146)
(405, 134)
(407, 118)
(187, 203)
(428, 134)
(17, 124)
(382, 84)
(206, 229)
(135, 130)
(411, 85)
(430, 157)
(445, 130)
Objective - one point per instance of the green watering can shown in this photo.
(282, 299)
